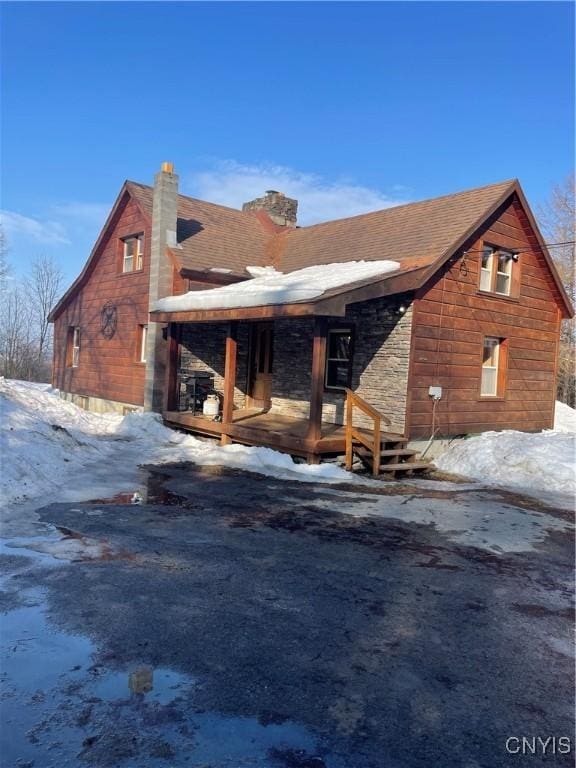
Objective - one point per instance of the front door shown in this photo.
(261, 361)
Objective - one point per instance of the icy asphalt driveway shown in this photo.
(235, 620)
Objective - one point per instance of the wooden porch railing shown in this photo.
(369, 441)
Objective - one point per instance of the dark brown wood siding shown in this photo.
(451, 319)
(108, 368)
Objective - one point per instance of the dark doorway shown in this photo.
(261, 365)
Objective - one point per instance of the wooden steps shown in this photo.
(406, 466)
(393, 460)
(398, 452)
(379, 451)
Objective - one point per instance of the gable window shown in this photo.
(73, 347)
(338, 358)
(503, 273)
(142, 338)
(486, 269)
(493, 367)
(132, 252)
(496, 270)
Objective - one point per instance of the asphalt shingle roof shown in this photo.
(416, 234)
(212, 235)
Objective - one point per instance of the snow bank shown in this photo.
(49, 446)
(271, 287)
(516, 460)
(564, 418)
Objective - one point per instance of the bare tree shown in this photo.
(4, 265)
(43, 288)
(18, 352)
(557, 219)
(25, 333)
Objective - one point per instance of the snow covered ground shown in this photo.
(52, 449)
(538, 462)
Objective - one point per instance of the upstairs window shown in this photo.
(496, 270)
(132, 252)
(73, 347)
(338, 358)
(486, 269)
(503, 273)
(493, 367)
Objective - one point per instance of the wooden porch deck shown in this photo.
(252, 426)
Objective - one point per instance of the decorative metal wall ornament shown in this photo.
(108, 320)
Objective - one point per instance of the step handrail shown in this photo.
(355, 401)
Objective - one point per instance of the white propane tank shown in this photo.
(211, 406)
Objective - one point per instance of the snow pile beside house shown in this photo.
(52, 449)
(271, 287)
(517, 460)
(564, 418)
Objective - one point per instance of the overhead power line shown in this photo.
(525, 250)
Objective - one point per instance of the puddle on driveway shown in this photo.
(143, 682)
(62, 704)
(152, 492)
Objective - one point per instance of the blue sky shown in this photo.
(347, 106)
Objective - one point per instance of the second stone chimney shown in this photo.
(281, 210)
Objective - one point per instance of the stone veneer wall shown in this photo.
(379, 370)
(203, 348)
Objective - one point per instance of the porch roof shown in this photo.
(331, 302)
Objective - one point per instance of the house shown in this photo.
(424, 321)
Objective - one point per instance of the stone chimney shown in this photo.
(164, 220)
(280, 209)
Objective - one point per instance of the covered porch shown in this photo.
(283, 433)
(311, 379)
(268, 394)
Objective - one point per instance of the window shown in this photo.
(503, 272)
(142, 337)
(132, 251)
(494, 356)
(73, 347)
(338, 358)
(496, 270)
(486, 269)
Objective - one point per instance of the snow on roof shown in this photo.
(271, 287)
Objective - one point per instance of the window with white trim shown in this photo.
(338, 358)
(496, 270)
(486, 269)
(132, 253)
(503, 273)
(73, 344)
(490, 363)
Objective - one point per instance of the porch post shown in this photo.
(317, 385)
(229, 378)
(171, 374)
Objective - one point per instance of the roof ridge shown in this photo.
(507, 182)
